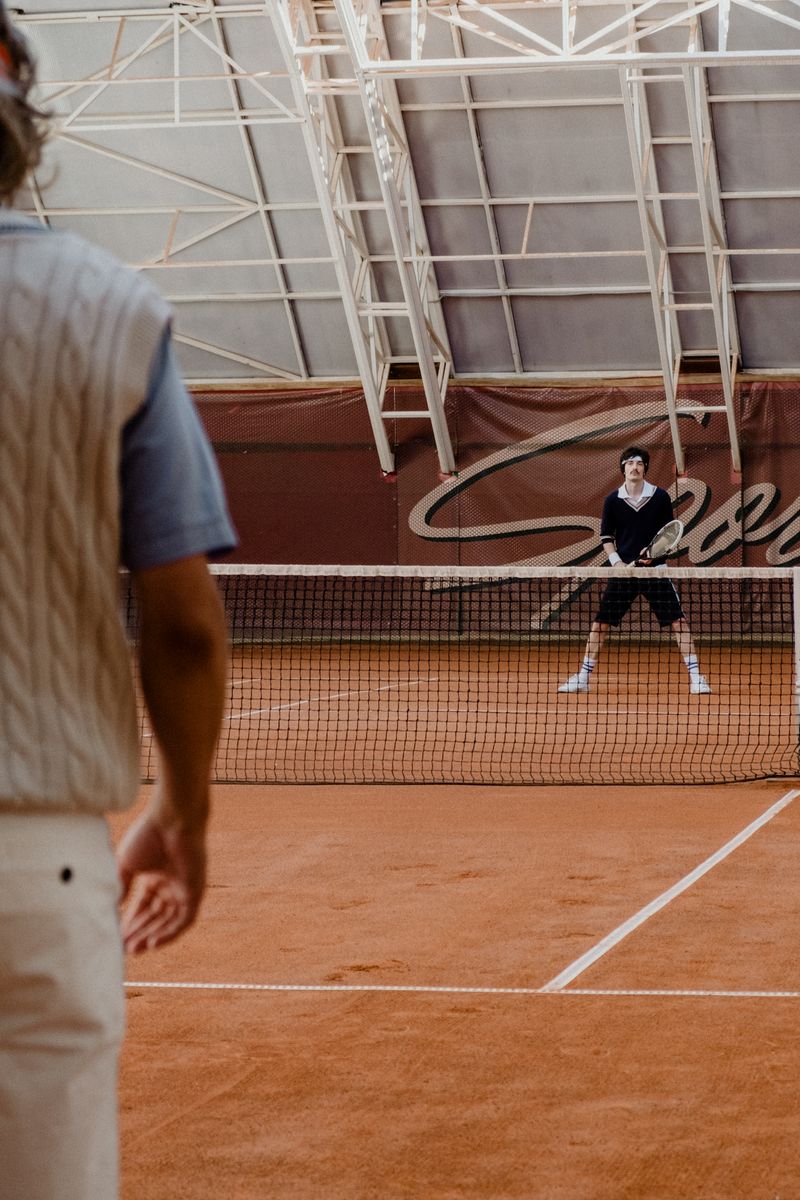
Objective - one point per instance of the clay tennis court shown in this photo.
(438, 272)
(461, 714)
(363, 1009)
(482, 990)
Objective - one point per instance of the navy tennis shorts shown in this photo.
(620, 594)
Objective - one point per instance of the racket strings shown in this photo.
(665, 540)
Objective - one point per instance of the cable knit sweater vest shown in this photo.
(78, 333)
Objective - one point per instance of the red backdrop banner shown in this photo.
(534, 464)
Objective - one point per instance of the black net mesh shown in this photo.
(474, 677)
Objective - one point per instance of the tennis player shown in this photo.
(102, 461)
(632, 516)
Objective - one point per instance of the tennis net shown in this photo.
(428, 675)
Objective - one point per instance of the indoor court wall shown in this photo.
(534, 464)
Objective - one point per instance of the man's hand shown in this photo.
(162, 869)
(182, 655)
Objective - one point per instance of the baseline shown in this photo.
(422, 989)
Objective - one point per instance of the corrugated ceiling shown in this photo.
(344, 190)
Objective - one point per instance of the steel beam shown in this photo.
(344, 238)
(714, 246)
(654, 240)
(392, 163)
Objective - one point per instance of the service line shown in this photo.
(327, 698)
(322, 699)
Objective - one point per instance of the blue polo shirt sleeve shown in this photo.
(172, 502)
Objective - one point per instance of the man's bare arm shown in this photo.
(183, 665)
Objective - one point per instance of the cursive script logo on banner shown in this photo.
(709, 534)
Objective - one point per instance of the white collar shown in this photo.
(647, 491)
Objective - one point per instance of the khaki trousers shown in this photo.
(61, 1008)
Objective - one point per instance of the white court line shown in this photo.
(557, 984)
(665, 993)
(386, 687)
(689, 703)
(338, 987)
(616, 936)
(723, 993)
(543, 705)
(614, 710)
(255, 712)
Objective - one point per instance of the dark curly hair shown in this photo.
(22, 126)
(634, 452)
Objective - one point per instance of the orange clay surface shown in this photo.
(492, 714)
(361, 1093)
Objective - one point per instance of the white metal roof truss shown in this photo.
(512, 189)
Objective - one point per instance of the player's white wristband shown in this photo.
(614, 558)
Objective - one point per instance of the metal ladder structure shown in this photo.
(712, 295)
(309, 44)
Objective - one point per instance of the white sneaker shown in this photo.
(700, 686)
(575, 683)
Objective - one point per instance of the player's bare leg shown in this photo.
(579, 682)
(698, 684)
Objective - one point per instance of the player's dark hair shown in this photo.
(22, 125)
(634, 452)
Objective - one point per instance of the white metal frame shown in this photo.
(495, 37)
(363, 33)
(634, 82)
(304, 46)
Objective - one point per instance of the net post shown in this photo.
(796, 639)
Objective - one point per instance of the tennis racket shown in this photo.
(664, 542)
